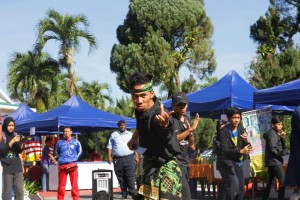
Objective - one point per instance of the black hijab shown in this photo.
(7, 120)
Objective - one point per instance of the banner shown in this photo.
(32, 149)
(256, 123)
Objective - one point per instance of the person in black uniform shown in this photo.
(185, 137)
(235, 147)
(155, 132)
(274, 150)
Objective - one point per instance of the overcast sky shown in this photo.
(18, 19)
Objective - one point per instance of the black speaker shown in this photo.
(102, 184)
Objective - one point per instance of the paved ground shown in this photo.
(87, 194)
(116, 195)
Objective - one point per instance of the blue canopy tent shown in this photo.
(286, 94)
(23, 113)
(77, 114)
(230, 90)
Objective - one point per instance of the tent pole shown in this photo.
(252, 184)
(58, 133)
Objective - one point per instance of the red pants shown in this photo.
(63, 174)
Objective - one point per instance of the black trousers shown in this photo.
(124, 169)
(275, 172)
(232, 180)
(186, 193)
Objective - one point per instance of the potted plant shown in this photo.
(30, 189)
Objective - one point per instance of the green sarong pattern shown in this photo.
(162, 182)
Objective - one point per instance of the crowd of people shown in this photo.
(166, 137)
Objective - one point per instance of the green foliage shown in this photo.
(267, 31)
(204, 134)
(33, 78)
(93, 140)
(30, 187)
(209, 81)
(67, 30)
(284, 67)
(263, 175)
(124, 107)
(287, 129)
(279, 26)
(189, 85)
(160, 37)
(93, 94)
(278, 56)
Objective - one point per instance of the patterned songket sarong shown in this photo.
(163, 182)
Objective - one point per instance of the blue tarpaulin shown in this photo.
(230, 90)
(76, 114)
(23, 113)
(286, 94)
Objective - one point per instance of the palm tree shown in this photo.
(93, 94)
(124, 107)
(62, 93)
(67, 30)
(32, 78)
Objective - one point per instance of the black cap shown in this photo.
(121, 122)
(179, 97)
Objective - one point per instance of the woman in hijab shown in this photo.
(10, 150)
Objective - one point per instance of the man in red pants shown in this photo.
(68, 151)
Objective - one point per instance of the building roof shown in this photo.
(6, 104)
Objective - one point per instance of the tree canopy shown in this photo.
(160, 37)
(278, 56)
(93, 94)
(33, 78)
(68, 30)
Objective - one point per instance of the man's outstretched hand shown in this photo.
(163, 117)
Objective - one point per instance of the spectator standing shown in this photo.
(47, 158)
(216, 149)
(235, 147)
(10, 151)
(155, 132)
(68, 150)
(185, 136)
(274, 150)
(124, 159)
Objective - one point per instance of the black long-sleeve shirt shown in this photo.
(10, 159)
(275, 149)
(160, 142)
(230, 151)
